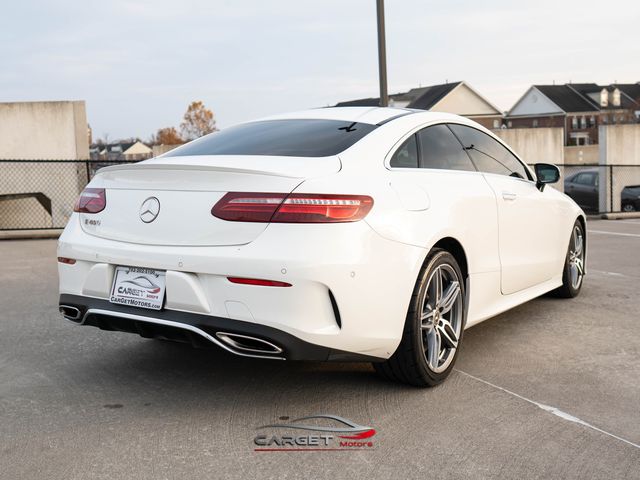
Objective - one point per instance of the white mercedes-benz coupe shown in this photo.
(366, 234)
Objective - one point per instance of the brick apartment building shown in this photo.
(578, 108)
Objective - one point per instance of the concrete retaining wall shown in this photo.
(580, 155)
(619, 145)
(44, 130)
(41, 130)
(535, 145)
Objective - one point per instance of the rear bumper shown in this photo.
(350, 286)
(200, 331)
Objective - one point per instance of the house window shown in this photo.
(592, 121)
(604, 119)
(535, 123)
(583, 122)
(496, 123)
(509, 124)
(574, 123)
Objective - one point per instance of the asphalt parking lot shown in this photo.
(550, 389)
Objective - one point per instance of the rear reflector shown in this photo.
(294, 208)
(257, 281)
(91, 200)
(67, 261)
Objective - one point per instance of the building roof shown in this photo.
(631, 90)
(137, 148)
(423, 98)
(582, 97)
(427, 97)
(567, 98)
(589, 90)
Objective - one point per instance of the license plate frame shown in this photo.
(138, 287)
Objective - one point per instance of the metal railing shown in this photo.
(40, 194)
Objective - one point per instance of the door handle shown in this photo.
(509, 196)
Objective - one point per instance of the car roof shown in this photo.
(583, 170)
(370, 115)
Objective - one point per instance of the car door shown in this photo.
(459, 202)
(583, 188)
(570, 188)
(590, 193)
(528, 219)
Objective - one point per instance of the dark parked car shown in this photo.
(631, 198)
(582, 187)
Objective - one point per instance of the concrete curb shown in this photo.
(620, 216)
(29, 234)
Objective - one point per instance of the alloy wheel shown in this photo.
(441, 317)
(576, 257)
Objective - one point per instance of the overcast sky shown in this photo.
(138, 63)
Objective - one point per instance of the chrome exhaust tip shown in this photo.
(70, 313)
(245, 343)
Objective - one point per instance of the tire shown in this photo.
(414, 362)
(628, 207)
(573, 264)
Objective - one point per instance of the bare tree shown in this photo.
(197, 121)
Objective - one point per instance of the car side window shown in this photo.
(440, 149)
(581, 179)
(587, 178)
(407, 155)
(489, 155)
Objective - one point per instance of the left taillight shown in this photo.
(91, 200)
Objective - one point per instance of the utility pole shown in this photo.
(382, 56)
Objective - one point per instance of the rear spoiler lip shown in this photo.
(154, 166)
(272, 166)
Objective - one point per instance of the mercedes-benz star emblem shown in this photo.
(149, 210)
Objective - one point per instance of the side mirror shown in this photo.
(546, 173)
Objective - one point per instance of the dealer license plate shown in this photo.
(138, 287)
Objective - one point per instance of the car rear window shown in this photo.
(289, 138)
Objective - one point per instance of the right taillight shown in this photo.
(293, 208)
(91, 200)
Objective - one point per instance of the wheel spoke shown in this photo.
(433, 348)
(436, 286)
(449, 297)
(580, 266)
(447, 334)
(427, 317)
(577, 242)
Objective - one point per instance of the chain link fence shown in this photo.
(40, 194)
(602, 188)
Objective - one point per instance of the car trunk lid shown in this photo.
(168, 201)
